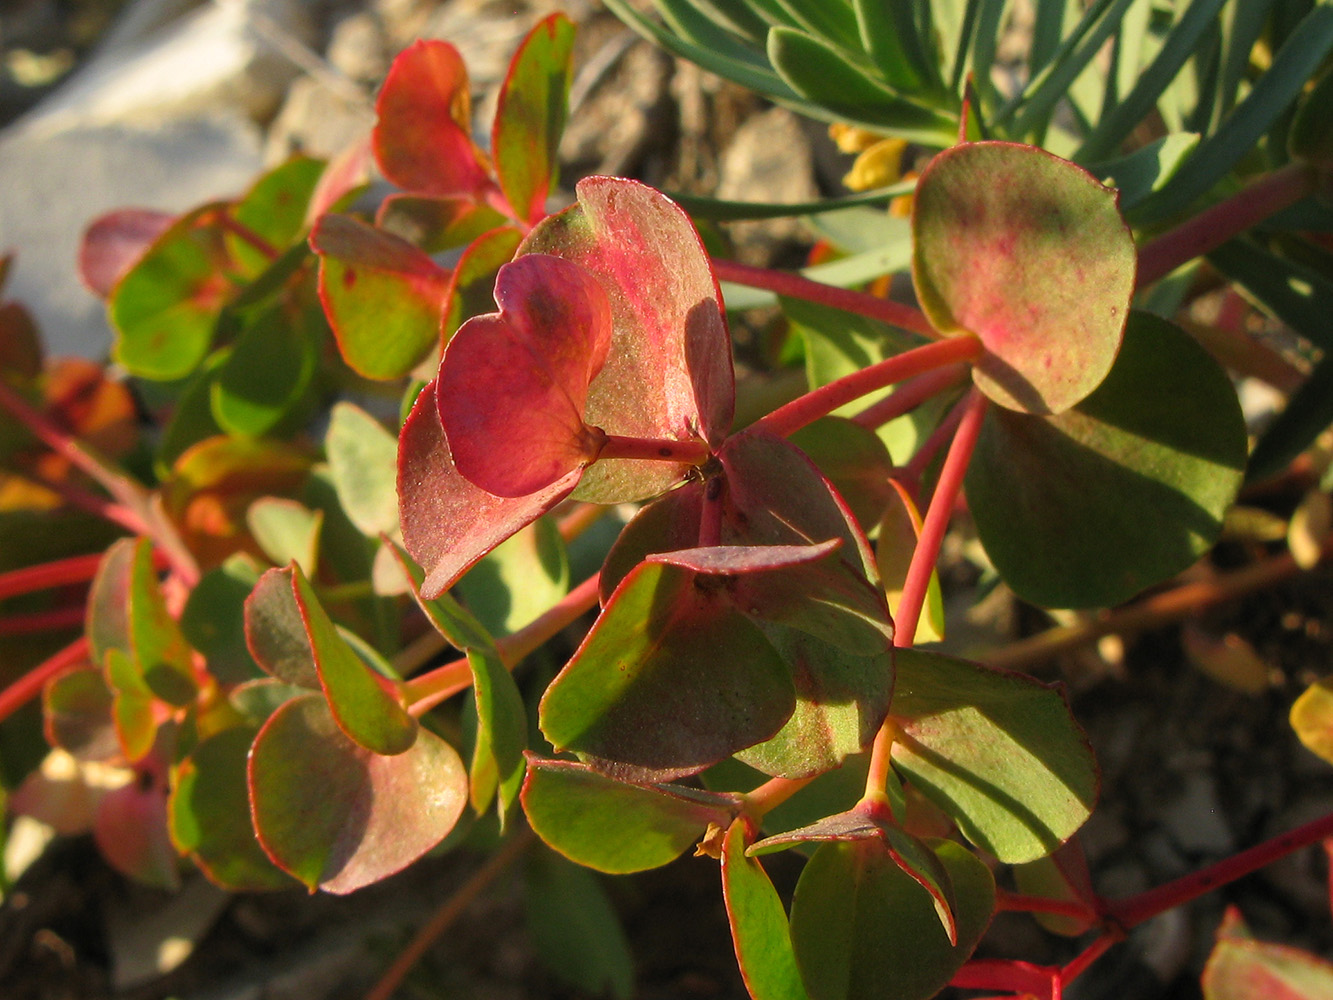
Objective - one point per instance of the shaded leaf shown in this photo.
(76, 714)
(520, 579)
(999, 752)
(275, 632)
(513, 385)
(1087, 508)
(758, 924)
(530, 116)
(337, 816)
(260, 386)
(855, 462)
(209, 814)
(472, 284)
(384, 298)
(613, 826)
(423, 140)
(863, 929)
(1029, 253)
(668, 373)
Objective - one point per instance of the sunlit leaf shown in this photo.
(999, 752)
(1312, 718)
(1089, 507)
(612, 826)
(363, 462)
(275, 210)
(337, 816)
(521, 578)
(1243, 968)
(286, 530)
(668, 373)
(530, 116)
(423, 141)
(1029, 253)
(513, 385)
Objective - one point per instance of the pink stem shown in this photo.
(819, 402)
(1005, 974)
(42, 621)
(1135, 910)
(30, 685)
(797, 287)
(76, 569)
(655, 449)
(1212, 227)
(243, 232)
(1017, 902)
(927, 550)
(908, 396)
(1079, 964)
(710, 516)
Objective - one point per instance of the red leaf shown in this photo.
(513, 384)
(423, 141)
(449, 523)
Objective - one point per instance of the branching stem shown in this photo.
(909, 395)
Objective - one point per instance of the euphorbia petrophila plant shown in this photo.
(750, 682)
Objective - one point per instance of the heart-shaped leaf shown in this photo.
(668, 373)
(997, 751)
(338, 816)
(1087, 508)
(423, 140)
(530, 116)
(613, 826)
(449, 523)
(513, 385)
(758, 923)
(645, 697)
(1029, 253)
(209, 814)
(862, 929)
(384, 298)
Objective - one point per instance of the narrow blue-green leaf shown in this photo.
(1148, 168)
(1030, 111)
(1272, 95)
(1129, 42)
(1295, 293)
(738, 17)
(960, 64)
(1308, 412)
(833, 22)
(1241, 24)
(721, 210)
(823, 74)
(758, 924)
(888, 36)
(1180, 44)
(1048, 28)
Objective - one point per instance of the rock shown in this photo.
(317, 120)
(1195, 820)
(359, 48)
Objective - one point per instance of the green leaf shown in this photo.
(384, 298)
(275, 632)
(1311, 135)
(472, 285)
(999, 752)
(275, 209)
(77, 714)
(1307, 413)
(574, 928)
(530, 116)
(1242, 968)
(265, 377)
(825, 76)
(1148, 168)
(612, 826)
(191, 419)
(209, 814)
(758, 924)
(520, 579)
(854, 461)
(166, 307)
(862, 929)
(131, 705)
(337, 816)
(367, 706)
(888, 33)
(213, 621)
(286, 530)
(1088, 508)
(1029, 253)
(363, 460)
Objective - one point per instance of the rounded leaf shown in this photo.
(1028, 252)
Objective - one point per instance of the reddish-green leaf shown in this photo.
(668, 374)
(530, 116)
(384, 298)
(209, 814)
(646, 695)
(513, 384)
(76, 714)
(1242, 968)
(614, 826)
(758, 924)
(1029, 253)
(275, 632)
(275, 210)
(337, 816)
(472, 284)
(862, 928)
(367, 706)
(1088, 508)
(112, 244)
(130, 827)
(997, 751)
(448, 523)
(165, 307)
(423, 141)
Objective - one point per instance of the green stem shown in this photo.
(820, 402)
(1230, 217)
(796, 287)
(933, 528)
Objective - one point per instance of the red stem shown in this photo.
(42, 621)
(1075, 909)
(30, 685)
(1005, 974)
(908, 396)
(797, 287)
(655, 449)
(1135, 910)
(819, 402)
(242, 231)
(1212, 227)
(1079, 964)
(76, 569)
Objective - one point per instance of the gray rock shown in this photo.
(1195, 820)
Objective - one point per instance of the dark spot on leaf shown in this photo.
(349, 277)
